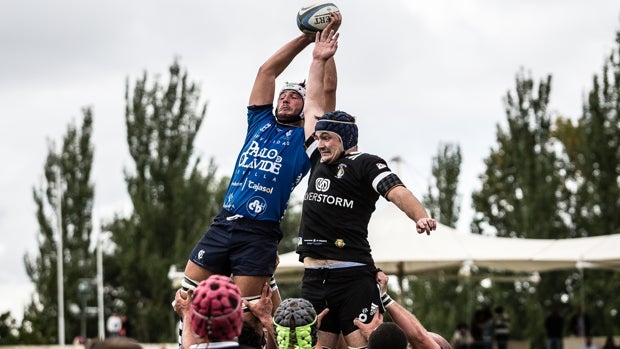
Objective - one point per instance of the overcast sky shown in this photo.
(415, 73)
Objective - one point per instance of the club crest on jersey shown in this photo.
(341, 168)
(381, 166)
(339, 243)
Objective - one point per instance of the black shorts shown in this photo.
(349, 293)
(239, 246)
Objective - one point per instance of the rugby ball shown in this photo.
(315, 17)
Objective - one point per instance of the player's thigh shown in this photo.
(355, 339)
(253, 254)
(196, 272)
(328, 339)
(250, 285)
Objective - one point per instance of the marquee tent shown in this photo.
(399, 250)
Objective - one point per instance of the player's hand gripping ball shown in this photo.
(315, 17)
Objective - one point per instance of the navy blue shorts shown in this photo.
(349, 293)
(240, 246)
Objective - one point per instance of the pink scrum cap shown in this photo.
(216, 309)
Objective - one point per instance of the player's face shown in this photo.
(330, 146)
(290, 104)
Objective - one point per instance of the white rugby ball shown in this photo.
(315, 17)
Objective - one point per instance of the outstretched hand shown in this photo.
(325, 43)
(263, 307)
(382, 281)
(335, 20)
(320, 317)
(426, 225)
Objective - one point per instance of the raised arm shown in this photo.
(330, 84)
(322, 75)
(263, 91)
(416, 333)
(404, 199)
(182, 305)
(263, 309)
(330, 79)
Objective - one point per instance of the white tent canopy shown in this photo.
(398, 249)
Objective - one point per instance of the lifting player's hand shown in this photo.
(367, 329)
(182, 302)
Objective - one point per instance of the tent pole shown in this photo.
(582, 292)
(401, 274)
(465, 273)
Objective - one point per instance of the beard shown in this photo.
(288, 118)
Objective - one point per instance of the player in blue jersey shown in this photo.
(242, 241)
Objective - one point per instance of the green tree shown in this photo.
(9, 329)
(173, 201)
(290, 232)
(440, 300)
(442, 198)
(520, 197)
(593, 147)
(523, 176)
(73, 164)
(290, 227)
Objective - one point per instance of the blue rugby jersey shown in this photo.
(270, 164)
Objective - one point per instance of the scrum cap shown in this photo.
(216, 309)
(340, 123)
(299, 88)
(295, 324)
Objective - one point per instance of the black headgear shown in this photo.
(341, 124)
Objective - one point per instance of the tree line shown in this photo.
(547, 176)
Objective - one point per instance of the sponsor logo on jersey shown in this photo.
(314, 242)
(230, 204)
(262, 159)
(329, 199)
(365, 314)
(264, 128)
(322, 184)
(381, 166)
(256, 205)
(260, 187)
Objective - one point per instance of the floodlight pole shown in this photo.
(101, 329)
(59, 262)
